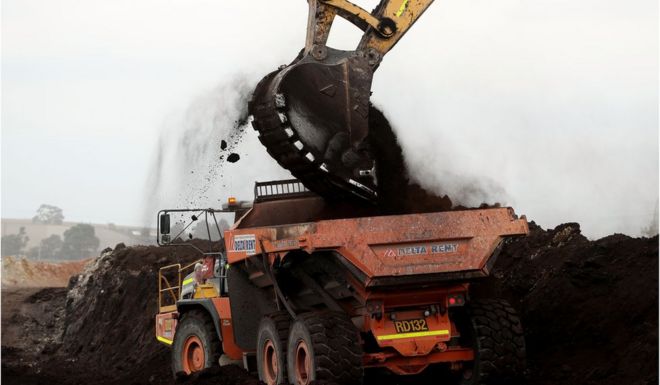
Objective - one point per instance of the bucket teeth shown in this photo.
(313, 118)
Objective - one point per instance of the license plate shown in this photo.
(411, 325)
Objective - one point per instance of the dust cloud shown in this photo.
(208, 153)
(652, 229)
(556, 103)
(502, 102)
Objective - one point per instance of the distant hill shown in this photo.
(108, 234)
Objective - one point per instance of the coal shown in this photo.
(233, 157)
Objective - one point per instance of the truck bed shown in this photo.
(446, 245)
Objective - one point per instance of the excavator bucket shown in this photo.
(313, 117)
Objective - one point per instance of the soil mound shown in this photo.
(104, 331)
(31, 323)
(109, 315)
(589, 308)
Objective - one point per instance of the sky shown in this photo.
(114, 109)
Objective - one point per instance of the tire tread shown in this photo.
(499, 343)
(207, 326)
(337, 350)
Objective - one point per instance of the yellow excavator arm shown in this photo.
(383, 27)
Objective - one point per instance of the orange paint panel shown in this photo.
(391, 245)
(222, 307)
(416, 297)
(440, 255)
(166, 327)
(420, 243)
(228, 344)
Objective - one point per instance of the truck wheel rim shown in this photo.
(193, 355)
(303, 364)
(269, 363)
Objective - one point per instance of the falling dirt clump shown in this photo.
(233, 157)
(223, 144)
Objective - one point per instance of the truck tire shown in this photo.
(196, 344)
(272, 338)
(498, 342)
(324, 346)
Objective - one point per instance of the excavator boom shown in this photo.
(313, 115)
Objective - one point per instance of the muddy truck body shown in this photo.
(301, 291)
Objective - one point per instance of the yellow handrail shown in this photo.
(175, 292)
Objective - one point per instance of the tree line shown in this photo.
(78, 241)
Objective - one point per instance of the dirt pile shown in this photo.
(109, 315)
(21, 272)
(589, 308)
(103, 332)
(31, 326)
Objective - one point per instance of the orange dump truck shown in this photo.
(301, 290)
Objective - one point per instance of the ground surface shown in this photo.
(589, 309)
(17, 271)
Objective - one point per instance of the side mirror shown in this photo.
(164, 224)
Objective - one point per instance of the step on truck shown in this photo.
(299, 289)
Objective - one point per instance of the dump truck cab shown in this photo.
(316, 290)
(196, 294)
